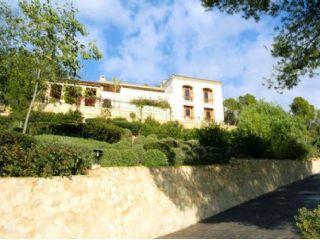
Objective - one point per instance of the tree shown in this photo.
(297, 43)
(231, 110)
(233, 107)
(283, 134)
(301, 108)
(47, 35)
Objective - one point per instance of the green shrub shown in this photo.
(95, 129)
(308, 223)
(21, 156)
(66, 124)
(284, 135)
(163, 148)
(249, 145)
(5, 122)
(74, 117)
(84, 144)
(180, 156)
(122, 144)
(126, 133)
(140, 140)
(111, 157)
(130, 158)
(154, 158)
(218, 143)
(190, 134)
(171, 142)
(172, 129)
(61, 160)
(150, 126)
(134, 127)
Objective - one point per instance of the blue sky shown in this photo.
(145, 41)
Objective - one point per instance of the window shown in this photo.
(187, 93)
(188, 112)
(55, 91)
(208, 114)
(207, 95)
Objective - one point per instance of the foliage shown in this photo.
(296, 45)
(86, 144)
(69, 124)
(44, 46)
(21, 156)
(308, 223)
(99, 130)
(154, 158)
(72, 95)
(59, 160)
(285, 135)
(163, 147)
(143, 102)
(130, 158)
(218, 143)
(134, 127)
(233, 107)
(111, 157)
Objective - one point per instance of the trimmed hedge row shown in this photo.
(20, 155)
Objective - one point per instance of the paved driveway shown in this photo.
(269, 216)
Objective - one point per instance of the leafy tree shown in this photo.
(285, 135)
(47, 36)
(302, 108)
(231, 110)
(297, 43)
(247, 100)
(234, 106)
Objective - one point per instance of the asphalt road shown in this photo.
(269, 216)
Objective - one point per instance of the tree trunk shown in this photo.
(25, 126)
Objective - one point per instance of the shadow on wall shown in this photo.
(209, 190)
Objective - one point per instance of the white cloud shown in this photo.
(181, 37)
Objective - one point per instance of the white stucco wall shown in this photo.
(170, 91)
(177, 100)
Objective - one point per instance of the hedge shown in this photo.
(155, 158)
(20, 155)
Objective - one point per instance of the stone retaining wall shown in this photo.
(136, 202)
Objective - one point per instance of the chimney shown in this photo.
(102, 78)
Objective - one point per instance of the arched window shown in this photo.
(187, 93)
(207, 95)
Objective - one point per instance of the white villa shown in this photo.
(193, 101)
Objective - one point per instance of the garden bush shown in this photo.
(163, 148)
(111, 157)
(218, 143)
(81, 143)
(61, 160)
(5, 122)
(308, 223)
(99, 130)
(155, 158)
(284, 136)
(134, 126)
(67, 124)
(20, 155)
(150, 126)
(129, 157)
